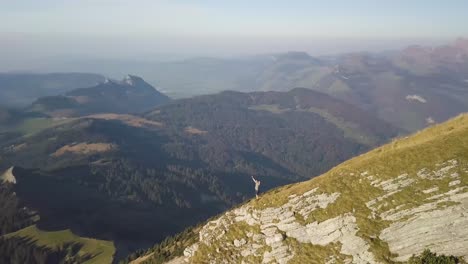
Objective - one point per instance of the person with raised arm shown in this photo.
(257, 186)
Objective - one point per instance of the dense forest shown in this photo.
(14, 214)
(16, 250)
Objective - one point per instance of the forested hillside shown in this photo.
(135, 180)
(406, 198)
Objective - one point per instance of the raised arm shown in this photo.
(254, 179)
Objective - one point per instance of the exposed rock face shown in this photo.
(444, 231)
(277, 224)
(439, 222)
(430, 224)
(8, 176)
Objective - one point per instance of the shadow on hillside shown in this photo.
(16, 250)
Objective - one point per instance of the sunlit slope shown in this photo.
(92, 250)
(380, 207)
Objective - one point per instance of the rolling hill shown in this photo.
(60, 246)
(134, 180)
(131, 95)
(380, 207)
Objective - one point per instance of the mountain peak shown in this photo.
(133, 80)
(131, 94)
(130, 79)
(297, 56)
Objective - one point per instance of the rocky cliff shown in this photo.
(380, 207)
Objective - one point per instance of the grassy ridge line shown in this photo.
(441, 132)
(424, 149)
(101, 251)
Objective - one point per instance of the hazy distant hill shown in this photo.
(135, 180)
(20, 89)
(446, 59)
(132, 95)
(11, 116)
(200, 76)
(411, 89)
(381, 207)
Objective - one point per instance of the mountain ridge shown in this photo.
(379, 207)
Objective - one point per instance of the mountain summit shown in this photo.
(131, 95)
(381, 207)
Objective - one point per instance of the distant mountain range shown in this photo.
(409, 88)
(386, 84)
(136, 179)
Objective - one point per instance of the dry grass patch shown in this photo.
(142, 259)
(130, 120)
(195, 131)
(84, 149)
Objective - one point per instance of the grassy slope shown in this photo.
(350, 129)
(408, 155)
(424, 149)
(34, 125)
(405, 155)
(102, 251)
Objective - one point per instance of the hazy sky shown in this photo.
(129, 27)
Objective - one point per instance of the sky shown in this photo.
(125, 28)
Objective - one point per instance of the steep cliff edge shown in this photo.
(380, 207)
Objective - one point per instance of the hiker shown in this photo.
(257, 185)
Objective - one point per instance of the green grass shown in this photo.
(237, 230)
(308, 253)
(432, 258)
(273, 108)
(350, 129)
(407, 155)
(311, 76)
(33, 125)
(337, 87)
(102, 251)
